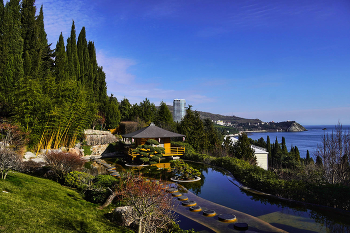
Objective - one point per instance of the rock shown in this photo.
(75, 151)
(124, 215)
(296, 127)
(38, 160)
(28, 155)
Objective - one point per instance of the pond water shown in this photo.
(217, 187)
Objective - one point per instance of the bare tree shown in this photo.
(334, 152)
(9, 161)
(152, 206)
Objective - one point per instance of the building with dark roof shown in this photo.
(163, 136)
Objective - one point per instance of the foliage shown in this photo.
(152, 142)
(61, 163)
(183, 171)
(164, 118)
(334, 153)
(9, 161)
(152, 207)
(79, 180)
(52, 95)
(104, 181)
(242, 149)
(12, 136)
(58, 208)
(87, 149)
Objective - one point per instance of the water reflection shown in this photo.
(290, 216)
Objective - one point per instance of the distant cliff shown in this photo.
(243, 124)
(296, 127)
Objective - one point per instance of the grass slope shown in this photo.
(31, 204)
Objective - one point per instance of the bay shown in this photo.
(305, 140)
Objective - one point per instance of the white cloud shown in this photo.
(116, 68)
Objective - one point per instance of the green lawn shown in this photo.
(31, 204)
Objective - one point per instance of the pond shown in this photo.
(219, 187)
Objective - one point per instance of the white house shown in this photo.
(260, 153)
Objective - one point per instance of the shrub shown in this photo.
(9, 160)
(87, 150)
(61, 163)
(79, 180)
(104, 181)
(31, 167)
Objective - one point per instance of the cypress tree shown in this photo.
(11, 61)
(83, 55)
(45, 50)
(72, 54)
(284, 147)
(60, 61)
(29, 35)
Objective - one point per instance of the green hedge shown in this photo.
(335, 196)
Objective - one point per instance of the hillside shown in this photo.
(32, 204)
(243, 124)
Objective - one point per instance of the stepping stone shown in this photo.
(182, 198)
(241, 226)
(189, 203)
(116, 174)
(195, 208)
(227, 218)
(209, 213)
(176, 194)
(172, 190)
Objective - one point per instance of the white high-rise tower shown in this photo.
(179, 109)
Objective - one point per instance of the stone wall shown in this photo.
(98, 137)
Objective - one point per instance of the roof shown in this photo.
(152, 131)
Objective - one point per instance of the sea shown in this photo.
(305, 140)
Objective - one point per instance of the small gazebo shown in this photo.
(163, 136)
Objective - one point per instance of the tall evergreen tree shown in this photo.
(125, 110)
(11, 61)
(83, 55)
(243, 150)
(61, 63)
(30, 38)
(45, 50)
(284, 147)
(192, 126)
(164, 117)
(72, 54)
(112, 113)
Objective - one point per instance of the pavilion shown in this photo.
(163, 136)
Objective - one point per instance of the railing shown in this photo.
(174, 151)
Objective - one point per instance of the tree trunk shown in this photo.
(109, 199)
(140, 226)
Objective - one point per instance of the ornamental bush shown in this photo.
(79, 180)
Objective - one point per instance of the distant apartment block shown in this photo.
(179, 109)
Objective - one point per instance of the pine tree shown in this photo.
(125, 110)
(112, 113)
(164, 118)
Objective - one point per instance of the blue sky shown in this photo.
(273, 60)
